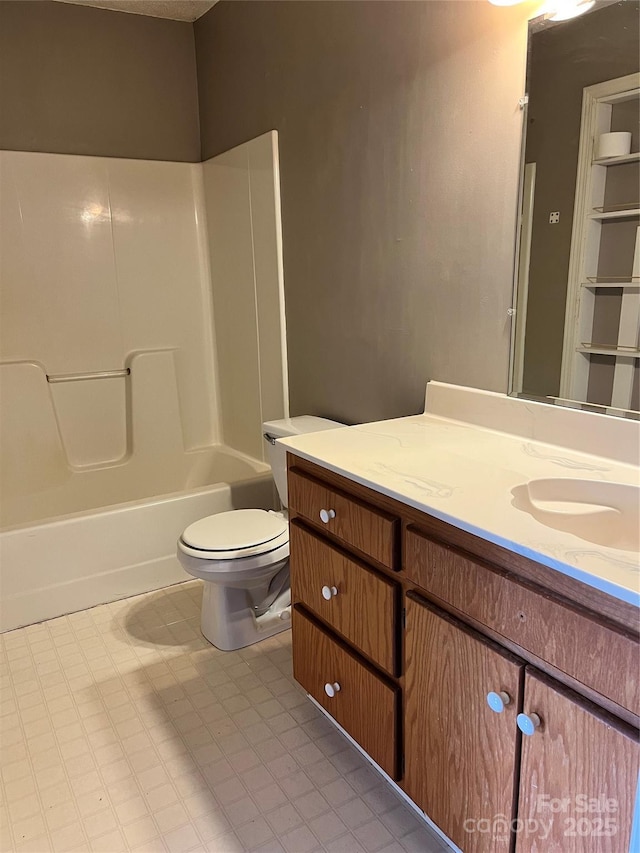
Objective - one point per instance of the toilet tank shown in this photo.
(277, 454)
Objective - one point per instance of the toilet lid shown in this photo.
(239, 533)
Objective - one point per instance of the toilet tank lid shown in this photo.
(298, 426)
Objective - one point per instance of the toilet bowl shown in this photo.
(243, 556)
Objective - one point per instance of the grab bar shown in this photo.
(78, 377)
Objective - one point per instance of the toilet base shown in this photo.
(228, 621)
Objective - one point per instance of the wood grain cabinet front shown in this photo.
(371, 531)
(364, 703)
(579, 774)
(480, 726)
(530, 617)
(461, 756)
(359, 603)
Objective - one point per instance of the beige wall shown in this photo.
(399, 135)
(399, 146)
(77, 80)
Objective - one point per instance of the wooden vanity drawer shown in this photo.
(366, 706)
(371, 531)
(563, 635)
(364, 605)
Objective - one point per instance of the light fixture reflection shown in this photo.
(556, 10)
(92, 213)
(564, 11)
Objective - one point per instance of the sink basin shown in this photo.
(603, 513)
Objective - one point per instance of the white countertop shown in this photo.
(463, 474)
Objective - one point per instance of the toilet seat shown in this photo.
(238, 536)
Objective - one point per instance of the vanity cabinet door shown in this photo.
(578, 776)
(460, 756)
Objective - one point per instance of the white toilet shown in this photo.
(243, 556)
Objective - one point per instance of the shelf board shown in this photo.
(628, 213)
(625, 284)
(603, 349)
(634, 157)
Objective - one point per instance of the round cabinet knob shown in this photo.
(326, 515)
(332, 689)
(528, 723)
(329, 591)
(498, 701)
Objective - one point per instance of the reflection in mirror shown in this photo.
(578, 278)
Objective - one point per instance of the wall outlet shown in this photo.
(554, 217)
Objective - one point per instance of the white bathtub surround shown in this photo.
(101, 261)
(242, 199)
(463, 458)
(39, 480)
(123, 729)
(109, 370)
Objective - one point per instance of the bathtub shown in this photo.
(62, 549)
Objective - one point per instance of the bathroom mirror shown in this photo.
(578, 260)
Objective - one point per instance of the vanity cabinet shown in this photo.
(461, 756)
(435, 650)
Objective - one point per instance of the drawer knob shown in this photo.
(329, 591)
(326, 515)
(331, 689)
(498, 701)
(528, 723)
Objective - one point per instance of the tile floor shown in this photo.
(122, 729)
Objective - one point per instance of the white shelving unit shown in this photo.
(584, 280)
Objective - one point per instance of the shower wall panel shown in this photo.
(242, 198)
(101, 260)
